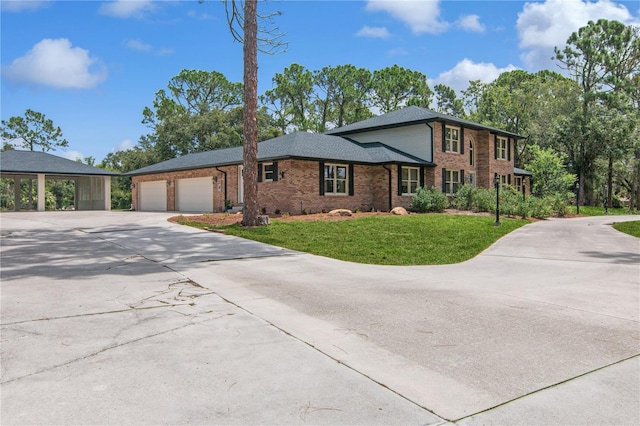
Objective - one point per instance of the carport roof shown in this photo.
(34, 162)
(301, 145)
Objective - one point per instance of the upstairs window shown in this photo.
(452, 139)
(501, 147)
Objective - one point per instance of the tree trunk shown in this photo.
(610, 182)
(250, 123)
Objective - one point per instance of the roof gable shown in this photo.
(409, 116)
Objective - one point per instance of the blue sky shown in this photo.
(93, 66)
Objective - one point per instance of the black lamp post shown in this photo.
(496, 183)
(578, 197)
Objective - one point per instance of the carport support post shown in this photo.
(40, 192)
(107, 192)
(17, 188)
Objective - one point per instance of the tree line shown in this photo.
(589, 117)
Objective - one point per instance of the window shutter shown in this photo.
(351, 183)
(259, 172)
(422, 172)
(444, 180)
(461, 140)
(321, 173)
(462, 182)
(444, 142)
(399, 183)
(495, 147)
(275, 171)
(509, 149)
(509, 179)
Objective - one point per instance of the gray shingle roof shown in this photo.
(407, 116)
(15, 162)
(523, 172)
(300, 145)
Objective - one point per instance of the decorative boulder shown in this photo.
(400, 211)
(340, 212)
(263, 220)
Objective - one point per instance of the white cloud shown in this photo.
(373, 32)
(398, 51)
(543, 26)
(127, 8)
(72, 155)
(56, 63)
(420, 16)
(21, 5)
(459, 76)
(124, 145)
(471, 23)
(138, 45)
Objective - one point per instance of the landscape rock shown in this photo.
(400, 211)
(340, 212)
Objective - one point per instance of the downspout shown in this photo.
(390, 187)
(225, 185)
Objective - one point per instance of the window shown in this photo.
(335, 179)
(452, 181)
(518, 182)
(501, 147)
(267, 172)
(452, 139)
(472, 179)
(410, 180)
(472, 160)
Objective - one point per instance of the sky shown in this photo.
(92, 66)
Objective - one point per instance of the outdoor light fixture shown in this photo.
(133, 186)
(282, 174)
(215, 179)
(496, 182)
(168, 183)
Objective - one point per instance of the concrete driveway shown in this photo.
(122, 317)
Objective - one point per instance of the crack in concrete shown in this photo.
(107, 348)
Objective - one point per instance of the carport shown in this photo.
(92, 184)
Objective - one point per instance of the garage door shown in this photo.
(194, 195)
(153, 196)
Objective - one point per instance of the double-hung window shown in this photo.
(267, 172)
(452, 181)
(452, 139)
(501, 147)
(410, 180)
(335, 179)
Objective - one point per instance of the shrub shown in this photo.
(539, 208)
(428, 200)
(484, 200)
(463, 199)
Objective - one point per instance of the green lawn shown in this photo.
(631, 228)
(599, 211)
(430, 239)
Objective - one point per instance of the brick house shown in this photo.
(373, 164)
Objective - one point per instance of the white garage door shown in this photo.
(153, 196)
(194, 195)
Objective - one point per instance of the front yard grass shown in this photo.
(425, 239)
(631, 228)
(599, 211)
